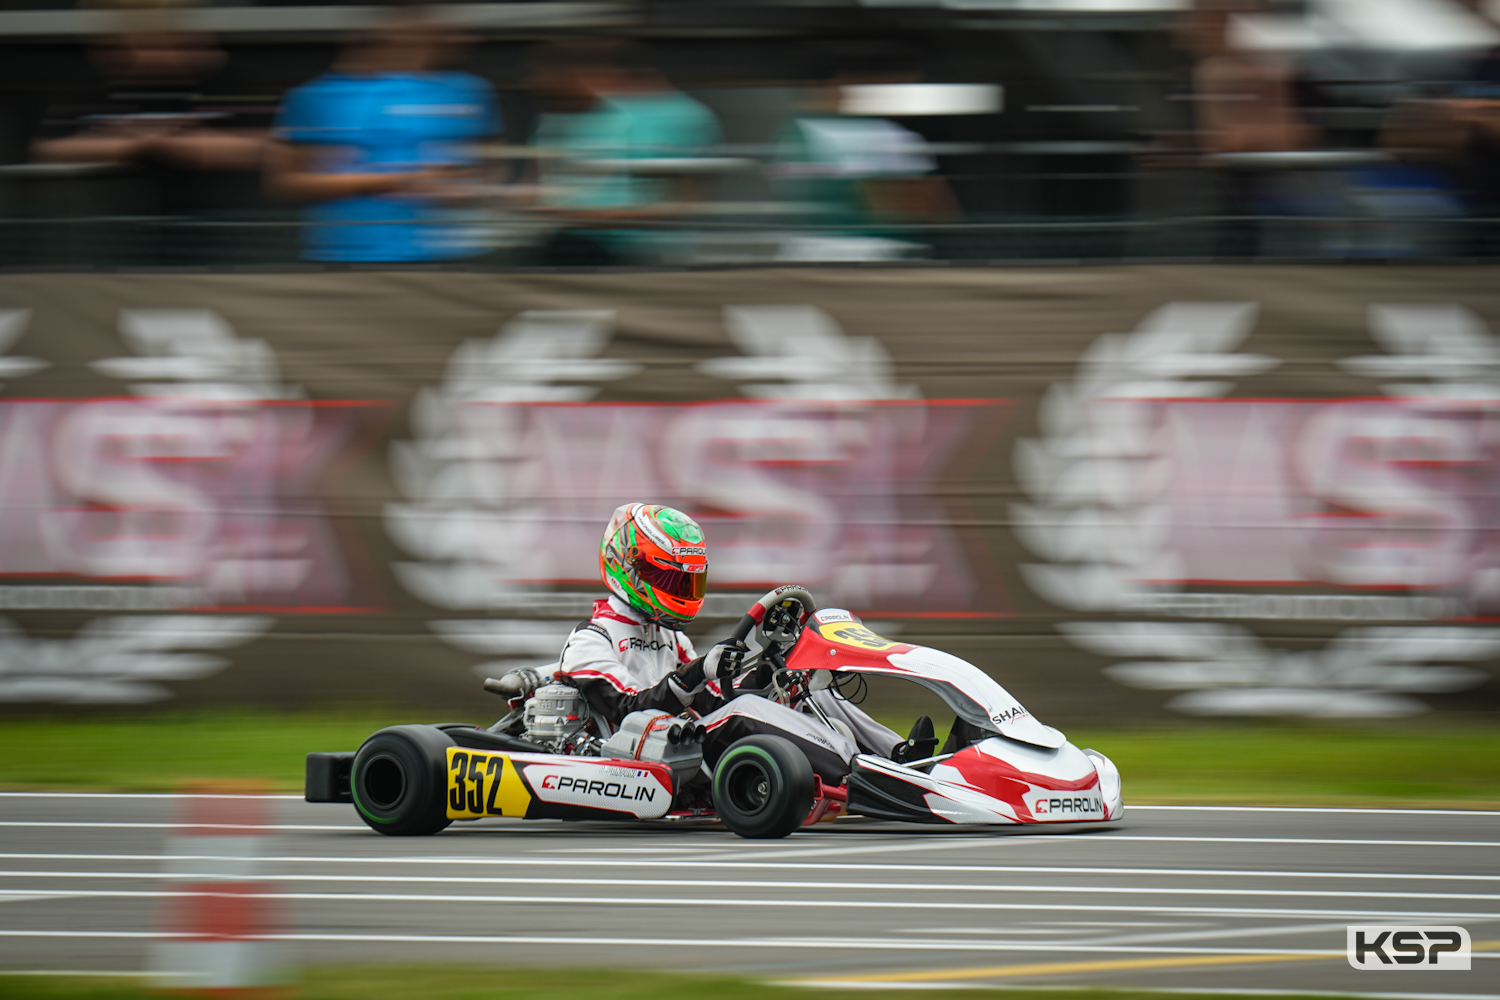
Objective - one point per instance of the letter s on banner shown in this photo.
(1394, 948)
(132, 520)
(1386, 526)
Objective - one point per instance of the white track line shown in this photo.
(700, 884)
(1130, 806)
(768, 942)
(902, 845)
(1161, 937)
(794, 903)
(574, 863)
(1321, 809)
(248, 827)
(1112, 837)
(840, 849)
(828, 943)
(1426, 916)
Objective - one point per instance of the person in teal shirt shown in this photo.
(620, 147)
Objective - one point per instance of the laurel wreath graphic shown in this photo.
(1096, 477)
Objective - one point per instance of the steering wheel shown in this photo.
(776, 619)
(773, 618)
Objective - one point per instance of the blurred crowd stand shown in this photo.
(1232, 128)
(1271, 159)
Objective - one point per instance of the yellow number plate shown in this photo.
(849, 634)
(484, 784)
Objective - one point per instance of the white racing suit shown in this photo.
(623, 663)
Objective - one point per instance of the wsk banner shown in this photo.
(1127, 492)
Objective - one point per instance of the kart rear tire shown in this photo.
(763, 787)
(399, 781)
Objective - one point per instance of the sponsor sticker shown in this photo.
(591, 786)
(484, 784)
(1065, 805)
(856, 636)
(1394, 948)
(829, 616)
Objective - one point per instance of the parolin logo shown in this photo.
(1397, 949)
(1071, 804)
(634, 643)
(593, 786)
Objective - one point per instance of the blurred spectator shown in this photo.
(1454, 138)
(854, 172)
(1245, 101)
(383, 144)
(152, 117)
(629, 149)
(1248, 129)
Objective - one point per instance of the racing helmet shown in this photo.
(655, 559)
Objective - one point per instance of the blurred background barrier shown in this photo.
(1132, 493)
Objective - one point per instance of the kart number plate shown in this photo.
(850, 634)
(484, 784)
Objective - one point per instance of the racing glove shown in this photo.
(515, 685)
(721, 663)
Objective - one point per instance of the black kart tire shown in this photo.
(399, 781)
(763, 787)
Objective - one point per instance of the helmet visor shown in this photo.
(673, 581)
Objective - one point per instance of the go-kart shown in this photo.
(550, 758)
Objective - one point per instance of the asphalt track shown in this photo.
(1170, 898)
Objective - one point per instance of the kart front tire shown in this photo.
(763, 787)
(399, 781)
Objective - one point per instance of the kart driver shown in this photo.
(631, 654)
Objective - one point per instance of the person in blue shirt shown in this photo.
(379, 148)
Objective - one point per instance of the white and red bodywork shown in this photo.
(1028, 773)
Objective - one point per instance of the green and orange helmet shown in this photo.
(655, 559)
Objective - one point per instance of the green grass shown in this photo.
(443, 983)
(1306, 765)
(160, 751)
(1247, 763)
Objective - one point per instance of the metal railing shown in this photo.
(160, 241)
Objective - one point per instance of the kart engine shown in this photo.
(557, 716)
